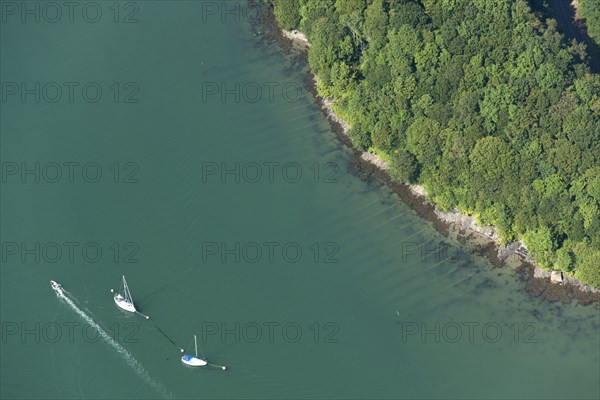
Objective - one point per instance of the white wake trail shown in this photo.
(127, 356)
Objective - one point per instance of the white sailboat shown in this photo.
(194, 361)
(125, 301)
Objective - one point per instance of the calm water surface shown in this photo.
(358, 298)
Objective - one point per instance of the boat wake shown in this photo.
(127, 356)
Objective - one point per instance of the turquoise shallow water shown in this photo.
(373, 307)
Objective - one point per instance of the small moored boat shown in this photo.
(125, 301)
(194, 361)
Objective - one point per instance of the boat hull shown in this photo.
(193, 361)
(124, 304)
(57, 287)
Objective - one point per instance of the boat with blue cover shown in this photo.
(194, 361)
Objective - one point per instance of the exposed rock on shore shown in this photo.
(375, 160)
(468, 223)
(464, 227)
(298, 38)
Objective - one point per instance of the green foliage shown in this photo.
(483, 103)
(492, 161)
(404, 166)
(287, 13)
(565, 259)
(423, 140)
(382, 138)
(590, 10)
(542, 244)
(376, 21)
(588, 259)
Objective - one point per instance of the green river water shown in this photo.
(207, 175)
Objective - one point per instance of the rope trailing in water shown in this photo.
(145, 316)
(156, 326)
(224, 368)
(137, 312)
(168, 338)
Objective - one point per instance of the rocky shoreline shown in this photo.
(453, 224)
(465, 229)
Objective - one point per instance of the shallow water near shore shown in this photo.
(318, 285)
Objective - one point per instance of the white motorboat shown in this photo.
(57, 287)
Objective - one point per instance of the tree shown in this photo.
(423, 140)
(481, 101)
(565, 259)
(588, 259)
(541, 243)
(590, 10)
(492, 162)
(287, 13)
(376, 23)
(382, 138)
(404, 166)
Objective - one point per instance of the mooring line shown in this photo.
(167, 336)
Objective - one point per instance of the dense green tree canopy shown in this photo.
(590, 10)
(481, 101)
(287, 13)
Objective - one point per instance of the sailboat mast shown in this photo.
(196, 345)
(126, 290)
